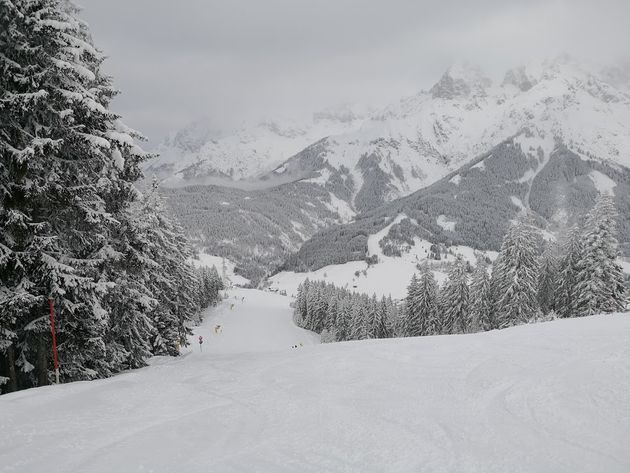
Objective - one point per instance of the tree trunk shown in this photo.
(42, 361)
(13, 385)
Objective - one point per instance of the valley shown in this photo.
(469, 152)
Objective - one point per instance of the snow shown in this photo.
(204, 259)
(481, 165)
(446, 224)
(248, 151)
(390, 276)
(119, 161)
(374, 240)
(518, 202)
(251, 321)
(340, 207)
(534, 398)
(602, 182)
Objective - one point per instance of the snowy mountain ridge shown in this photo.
(198, 152)
(546, 138)
(420, 139)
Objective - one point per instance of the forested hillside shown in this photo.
(474, 206)
(531, 280)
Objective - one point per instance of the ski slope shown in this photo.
(550, 397)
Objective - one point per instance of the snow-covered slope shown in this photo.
(224, 266)
(199, 154)
(385, 275)
(544, 397)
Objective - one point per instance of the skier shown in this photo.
(200, 343)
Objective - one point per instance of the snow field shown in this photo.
(390, 276)
(534, 398)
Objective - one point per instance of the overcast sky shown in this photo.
(231, 60)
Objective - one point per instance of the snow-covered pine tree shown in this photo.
(428, 302)
(380, 328)
(358, 328)
(68, 213)
(515, 276)
(395, 318)
(454, 299)
(316, 307)
(333, 307)
(371, 320)
(568, 269)
(481, 317)
(62, 152)
(413, 315)
(301, 303)
(175, 284)
(600, 279)
(343, 320)
(548, 278)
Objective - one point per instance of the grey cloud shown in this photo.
(234, 59)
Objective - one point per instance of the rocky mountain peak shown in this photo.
(461, 80)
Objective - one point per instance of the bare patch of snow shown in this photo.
(447, 225)
(602, 182)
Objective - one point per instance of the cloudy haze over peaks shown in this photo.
(234, 61)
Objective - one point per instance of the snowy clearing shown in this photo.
(390, 276)
(204, 259)
(544, 397)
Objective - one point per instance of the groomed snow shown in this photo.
(550, 397)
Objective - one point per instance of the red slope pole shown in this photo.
(51, 305)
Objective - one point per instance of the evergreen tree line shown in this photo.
(529, 281)
(340, 315)
(73, 226)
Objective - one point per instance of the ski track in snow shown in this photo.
(550, 397)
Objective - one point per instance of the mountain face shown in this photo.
(422, 138)
(475, 205)
(199, 154)
(557, 125)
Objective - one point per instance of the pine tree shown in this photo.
(548, 279)
(358, 329)
(380, 328)
(600, 280)
(515, 276)
(63, 153)
(481, 317)
(301, 303)
(343, 320)
(74, 226)
(372, 317)
(413, 309)
(454, 299)
(333, 309)
(568, 269)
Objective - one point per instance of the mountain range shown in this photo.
(547, 137)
